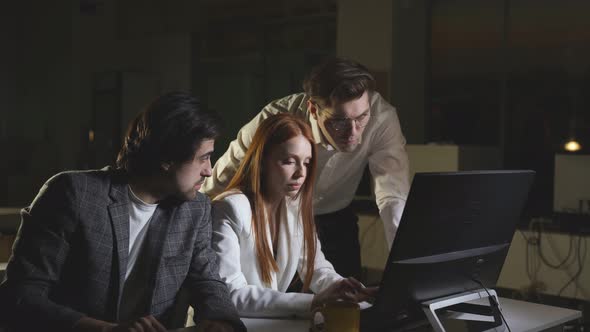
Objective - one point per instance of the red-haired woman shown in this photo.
(264, 232)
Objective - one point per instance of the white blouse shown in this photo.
(234, 243)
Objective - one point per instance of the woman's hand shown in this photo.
(348, 289)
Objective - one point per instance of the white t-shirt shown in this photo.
(140, 214)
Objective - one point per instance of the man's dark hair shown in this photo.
(338, 80)
(169, 130)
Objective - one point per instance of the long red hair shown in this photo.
(271, 132)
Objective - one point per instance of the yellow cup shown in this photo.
(338, 317)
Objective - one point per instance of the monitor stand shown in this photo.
(456, 307)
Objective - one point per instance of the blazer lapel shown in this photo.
(119, 214)
(158, 233)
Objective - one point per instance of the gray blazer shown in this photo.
(73, 241)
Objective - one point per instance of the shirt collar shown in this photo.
(315, 130)
(318, 137)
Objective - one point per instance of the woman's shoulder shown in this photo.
(233, 196)
(232, 205)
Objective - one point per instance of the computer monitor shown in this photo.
(454, 234)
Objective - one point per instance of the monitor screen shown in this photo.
(456, 228)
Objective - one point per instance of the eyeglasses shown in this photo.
(341, 124)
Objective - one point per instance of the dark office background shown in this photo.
(513, 74)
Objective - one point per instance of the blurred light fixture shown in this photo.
(573, 58)
(91, 135)
(572, 145)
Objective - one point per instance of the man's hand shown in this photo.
(348, 289)
(214, 326)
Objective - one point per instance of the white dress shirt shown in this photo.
(382, 146)
(234, 243)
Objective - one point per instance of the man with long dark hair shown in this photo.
(111, 249)
(352, 126)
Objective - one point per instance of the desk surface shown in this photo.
(532, 317)
(521, 316)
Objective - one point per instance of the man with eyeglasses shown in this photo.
(352, 126)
